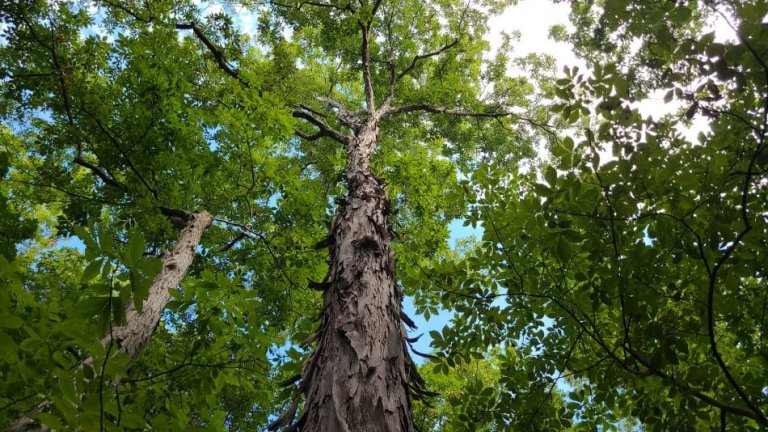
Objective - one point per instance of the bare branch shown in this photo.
(218, 55)
(394, 77)
(134, 14)
(347, 7)
(99, 172)
(114, 140)
(419, 57)
(365, 55)
(325, 128)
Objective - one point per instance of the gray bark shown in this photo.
(139, 327)
(131, 337)
(357, 380)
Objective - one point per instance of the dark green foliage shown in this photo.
(620, 283)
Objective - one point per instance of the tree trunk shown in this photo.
(139, 327)
(357, 380)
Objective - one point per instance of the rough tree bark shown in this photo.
(131, 337)
(359, 376)
(139, 327)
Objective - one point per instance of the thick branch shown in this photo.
(139, 326)
(365, 56)
(347, 7)
(394, 77)
(99, 172)
(310, 137)
(325, 128)
(218, 55)
(420, 57)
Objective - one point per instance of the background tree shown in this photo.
(634, 262)
(104, 132)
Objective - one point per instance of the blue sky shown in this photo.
(457, 232)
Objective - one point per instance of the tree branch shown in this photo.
(374, 11)
(433, 109)
(250, 233)
(135, 15)
(114, 140)
(98, 171)
(395, 77)
(307, 137)
(719, 264)
(594, 334)
(419, 57)
(215, 50)
(218, 55)
(614, 238)
(365, 56)
(325, 128)
(347, 7)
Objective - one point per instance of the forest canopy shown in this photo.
(213, 213)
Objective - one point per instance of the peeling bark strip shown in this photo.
(357, 380)
(134, 335)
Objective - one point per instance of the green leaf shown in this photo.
(85, 236)
(10, 321)
(550, 174)
(151, 266)
(93, 306)
(91, 271)
(66, 387)
(50, 420)
(141, 287)
(564, 249)
(134, 251)
(106, 242)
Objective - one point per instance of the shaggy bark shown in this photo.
(357, 380)
(131, 337)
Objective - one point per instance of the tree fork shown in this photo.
(131, 337)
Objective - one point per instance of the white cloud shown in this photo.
(533, 19)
